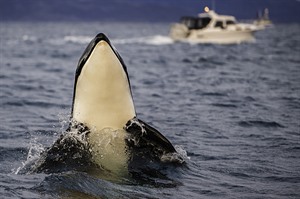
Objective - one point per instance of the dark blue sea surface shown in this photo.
(234, 109)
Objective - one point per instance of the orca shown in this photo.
(104, 129)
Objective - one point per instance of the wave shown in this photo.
(78, 39)
(259, 123)
(150, 40)
(82, 185)
(82, 39)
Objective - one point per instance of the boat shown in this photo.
(263, 21)
(210, 27)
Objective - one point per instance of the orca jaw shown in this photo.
(89, 49)
(102, 94)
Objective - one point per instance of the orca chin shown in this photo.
(104, 130)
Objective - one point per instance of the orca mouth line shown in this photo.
(89, 49)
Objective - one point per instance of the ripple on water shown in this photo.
(260, 123)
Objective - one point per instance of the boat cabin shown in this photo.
(208, 19)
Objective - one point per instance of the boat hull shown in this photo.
(216, 36)
(221, 37)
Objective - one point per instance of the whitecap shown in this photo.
(150, 40)
(29, 38)
(77, 39)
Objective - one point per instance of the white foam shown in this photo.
(78, 39)
(160, 40)
(29, 38)
(150, 40)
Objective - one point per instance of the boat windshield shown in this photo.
(203, 22)
(229, 22)
(195, 22)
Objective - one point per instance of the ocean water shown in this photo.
(234, 109)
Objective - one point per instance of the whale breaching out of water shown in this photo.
(104, 129)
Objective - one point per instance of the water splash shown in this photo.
(35, 150)
(108, 149)
(179, 156)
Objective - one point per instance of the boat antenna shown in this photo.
(213, 5)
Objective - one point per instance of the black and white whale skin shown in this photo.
(104, 130)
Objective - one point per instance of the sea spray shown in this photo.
(35, 149)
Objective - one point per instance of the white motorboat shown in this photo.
(209, 27)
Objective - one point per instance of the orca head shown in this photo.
(102, 95)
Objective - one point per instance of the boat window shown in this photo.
(229, 22)
(190, 22)
(195, 23)
(203, 22)
(219, 24)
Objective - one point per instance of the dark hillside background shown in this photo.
(141, 10)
